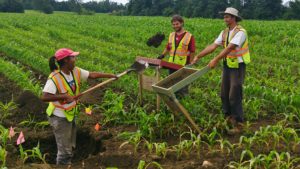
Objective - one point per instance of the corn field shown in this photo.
(111, 43)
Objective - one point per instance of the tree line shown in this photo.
(249, 9)
(48, 6)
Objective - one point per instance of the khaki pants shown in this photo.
(65, 136)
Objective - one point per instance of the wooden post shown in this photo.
(158, 100)
(141, 88)
(187, 115)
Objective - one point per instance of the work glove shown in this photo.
(161, 57)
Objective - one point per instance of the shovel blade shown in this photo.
(138, 66)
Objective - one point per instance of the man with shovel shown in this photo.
(181, 47)
(235, 57)
(60, 90)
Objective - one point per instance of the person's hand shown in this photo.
(194, 61)
(213, 63)
(67, 98)
(161, 57)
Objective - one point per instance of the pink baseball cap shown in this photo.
(64, 52)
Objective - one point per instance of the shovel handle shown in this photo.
(101, 84)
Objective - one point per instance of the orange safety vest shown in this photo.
(70, 109)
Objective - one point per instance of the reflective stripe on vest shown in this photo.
(232, 57)
(238, 53)
(58, 82)
(63, 87)
(179, 54)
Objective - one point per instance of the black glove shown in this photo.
(161, 57)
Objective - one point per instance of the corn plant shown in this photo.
(264, 134)
(246, 141)
(149, 146)
(133, 138)
(279, 160)
(289, 136)
(197, 144)
(242, 163)
(41, 125)
(29, 122)
(143, 165)
(37, 154)
(21, 77)
(246, 128)
(183, 146)
(153, 164)
(113, 107)
(4, 136)
(33, 154)
(3, 154)
(6, 109)
(290, 117)
(23, 154)
(161, 149)
(210, 139)
(225, 146)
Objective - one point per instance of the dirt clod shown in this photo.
(156, 40)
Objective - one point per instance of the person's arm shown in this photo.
(50, 94)
(192, 56)
(236, 41)
(213, 63)
(209, 49)
(96, 75)
(165, 52)
(47, 97)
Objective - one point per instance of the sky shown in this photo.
(121, 1)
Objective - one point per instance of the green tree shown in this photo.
(75, 6)
(267, 9)
(11, 6)
(293, 11)
(200, 7)
(43, 6)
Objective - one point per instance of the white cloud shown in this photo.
(121, 1)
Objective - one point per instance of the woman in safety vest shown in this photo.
(62, 85)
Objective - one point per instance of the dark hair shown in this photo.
(177, 18)
(52, 63)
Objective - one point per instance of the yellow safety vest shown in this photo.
(70, 109)
(232, 57)
(179, 54)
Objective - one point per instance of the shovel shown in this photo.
(138, 67)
